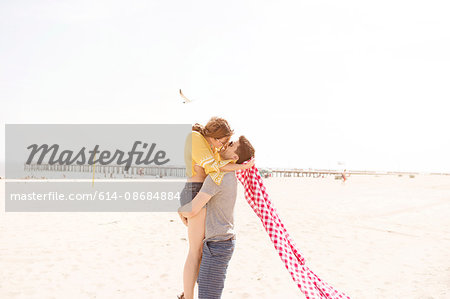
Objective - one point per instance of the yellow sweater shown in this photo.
(198, 152)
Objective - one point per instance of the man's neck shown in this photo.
(223, 157)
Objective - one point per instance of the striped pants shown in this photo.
(213, 268)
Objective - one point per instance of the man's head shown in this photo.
(240, 150)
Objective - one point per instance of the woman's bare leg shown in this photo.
(196, 234)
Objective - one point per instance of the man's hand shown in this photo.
(184, 219)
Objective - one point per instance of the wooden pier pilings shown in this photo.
(161, 171)
(178, 171)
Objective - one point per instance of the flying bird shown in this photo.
(186, 100)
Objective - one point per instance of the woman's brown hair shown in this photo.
(216, 128)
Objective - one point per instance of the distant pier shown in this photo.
(316, 173)
(179, 171)
(161, 171)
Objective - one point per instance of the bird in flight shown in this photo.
(186, 100)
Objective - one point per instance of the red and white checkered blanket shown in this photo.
(256, 196)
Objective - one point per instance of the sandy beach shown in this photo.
(372, 237)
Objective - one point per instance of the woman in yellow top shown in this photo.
(202, 159)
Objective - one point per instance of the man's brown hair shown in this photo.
(245, 150)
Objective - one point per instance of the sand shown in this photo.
(372, 237)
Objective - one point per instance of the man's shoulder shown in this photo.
(229, 178)
(209, 181)
(209, 186)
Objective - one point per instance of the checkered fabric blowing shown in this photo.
(308, 282)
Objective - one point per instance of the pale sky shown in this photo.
(311, 83)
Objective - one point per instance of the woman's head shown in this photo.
(217, 129)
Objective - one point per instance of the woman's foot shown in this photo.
(181, 296)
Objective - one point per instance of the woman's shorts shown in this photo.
(190, 190)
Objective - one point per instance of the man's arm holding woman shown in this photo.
(191, 209)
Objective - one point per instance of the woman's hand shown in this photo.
(249, 164)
